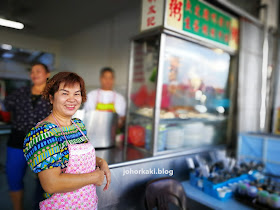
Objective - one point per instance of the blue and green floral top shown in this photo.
(45, 146)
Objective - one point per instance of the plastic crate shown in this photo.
(212, 189)
(260, 147)
(196, 181)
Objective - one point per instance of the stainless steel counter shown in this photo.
(132, 169)
(120, 155)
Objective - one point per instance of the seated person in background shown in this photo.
(105, 98)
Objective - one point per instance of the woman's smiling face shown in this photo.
(67, 100)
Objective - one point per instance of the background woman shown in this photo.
(27, 107)
(59, 151)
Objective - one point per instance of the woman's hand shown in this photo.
(99, 177)
(102, 164)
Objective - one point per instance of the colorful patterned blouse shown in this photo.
(45, 146)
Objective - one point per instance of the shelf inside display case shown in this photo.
(204, 119)
(177, 133)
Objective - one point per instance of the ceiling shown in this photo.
(59, 19)
(25, 56)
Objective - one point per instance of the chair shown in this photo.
(164, 193)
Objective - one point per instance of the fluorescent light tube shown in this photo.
(11, 24)
(6, 46)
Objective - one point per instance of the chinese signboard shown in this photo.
(203, 20)
(194, 17)
(152, 14)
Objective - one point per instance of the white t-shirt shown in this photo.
(105, 96)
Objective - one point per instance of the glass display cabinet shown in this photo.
(178, 95)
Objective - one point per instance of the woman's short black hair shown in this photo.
(107, 69)
(44, 66)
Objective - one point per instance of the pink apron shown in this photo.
(81, 160)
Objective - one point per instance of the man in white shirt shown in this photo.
(105, 98)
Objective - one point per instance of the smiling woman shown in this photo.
(62, 83)
(58, 149)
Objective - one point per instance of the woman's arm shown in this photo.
(53, 181)
(103, 165)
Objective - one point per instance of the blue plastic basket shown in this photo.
(212, 189)
(196, 181)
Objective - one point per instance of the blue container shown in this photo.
(217, 190)
(196, 181)
(273, 150)
(251, 147)
(223, 191)
(260, 147)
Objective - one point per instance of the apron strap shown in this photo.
(39, 123)
(98, 95)
(115, 96)
(63, 131)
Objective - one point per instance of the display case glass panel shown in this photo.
(194, 98)
(143, 92)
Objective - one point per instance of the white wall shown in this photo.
(276, 104)
(104, 44)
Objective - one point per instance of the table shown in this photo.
(209, 201)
